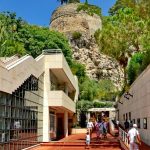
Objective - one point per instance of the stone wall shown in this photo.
(66, 19)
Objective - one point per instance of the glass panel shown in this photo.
(2, 111)
(7, 124)
(2, 124)
(8, 111)
(2, 98)
(145, 123)
(21, 114)
(138, 122)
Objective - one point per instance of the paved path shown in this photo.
(77, 142)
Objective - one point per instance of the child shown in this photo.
(87, 139)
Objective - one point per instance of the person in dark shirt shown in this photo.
(126, 125)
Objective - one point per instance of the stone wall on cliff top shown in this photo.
(67, 20)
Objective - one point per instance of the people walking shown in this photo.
(88, 139)
(126, 125)
(90, 127)
(103, 128)
(134, 138)
(97, 129)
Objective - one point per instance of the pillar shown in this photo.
(65, 123)
(46, 117)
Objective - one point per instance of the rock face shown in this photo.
(67, 20)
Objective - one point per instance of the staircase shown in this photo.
(14, 71)
(77, 141)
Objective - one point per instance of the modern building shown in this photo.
(37, 99)
(135, 105)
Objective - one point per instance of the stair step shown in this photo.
(81, 144)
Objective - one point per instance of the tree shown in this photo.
(106, 90)
(88, 89)
(120, 4)
(134, 67)
(86, 1)
(63, 1)
(121, 35)
(74, 1)
(68, 1)
(3, 37)
(8, 29)
(142, 7)
(19, 37)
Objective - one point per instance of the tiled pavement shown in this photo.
(77, 142)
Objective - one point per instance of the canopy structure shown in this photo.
(101, 109)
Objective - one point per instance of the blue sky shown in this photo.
(38, 12)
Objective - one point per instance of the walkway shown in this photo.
(77, 142)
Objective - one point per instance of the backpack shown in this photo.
(136, 140)
(101, 126)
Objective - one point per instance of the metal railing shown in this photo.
(18, 144)
(123, 136)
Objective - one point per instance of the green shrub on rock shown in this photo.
(76, 35)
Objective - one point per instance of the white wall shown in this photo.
(139, 105)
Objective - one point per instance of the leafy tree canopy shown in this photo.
(89, 9)
(20, 37)
(134, 67)
(140, 6)
(122, 34)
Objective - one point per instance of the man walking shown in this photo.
(134, 138)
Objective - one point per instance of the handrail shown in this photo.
(123, 137)
(9, 66)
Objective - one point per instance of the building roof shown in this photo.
(101, 109)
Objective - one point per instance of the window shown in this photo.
(52, 121)
(21, 114)
(138, 122)
(124, 117)
(145, 123)
(129, 115)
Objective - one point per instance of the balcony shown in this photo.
(60, 101)
(59, 67)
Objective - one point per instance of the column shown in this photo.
(46, 117)
(65, 123)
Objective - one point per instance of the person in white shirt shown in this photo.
(87, 139)
(132, 135)
(90, 127)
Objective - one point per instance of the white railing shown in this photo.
(123, 137)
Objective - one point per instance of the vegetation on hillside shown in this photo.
(89, 9)
(126, 32)
(134, 67)
(19, 37)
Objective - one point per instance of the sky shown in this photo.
(38, 12)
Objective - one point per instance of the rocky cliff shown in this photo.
(68, 20)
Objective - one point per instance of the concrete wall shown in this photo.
(14, 73)
(139, 105)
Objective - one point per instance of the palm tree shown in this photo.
(86, 1)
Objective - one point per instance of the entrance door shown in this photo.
(60, 128)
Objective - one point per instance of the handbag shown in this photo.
(136, 140)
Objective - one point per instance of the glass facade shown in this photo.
(21, 115)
